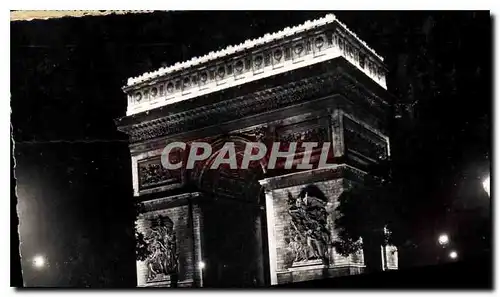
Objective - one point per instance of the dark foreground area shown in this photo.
(473, 274)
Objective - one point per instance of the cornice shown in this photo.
(254, 103)
(336, 171)
(166, 202)
(249, 45)
(310, 45)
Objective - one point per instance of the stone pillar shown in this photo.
(286, 240)
(183, 218)
(259, 250)
(271, 237)
(197, 217)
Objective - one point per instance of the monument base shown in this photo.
(299, 274)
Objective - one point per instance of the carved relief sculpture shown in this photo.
(151, 173)
(162, 247)
(308, 236)
(316, 134)
(262, 134)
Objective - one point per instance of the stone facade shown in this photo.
(184, 213)
(290, 49)
(329, 183)
(239, 228)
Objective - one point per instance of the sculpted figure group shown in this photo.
(162, 246)
(309, 237)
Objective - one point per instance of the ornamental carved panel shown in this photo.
(314, 134)
(315, 130)
(153, 174)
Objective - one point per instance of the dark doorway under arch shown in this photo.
(234, 236)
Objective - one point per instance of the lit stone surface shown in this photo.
(186, 226)
(278, 190)
(308, 44)
(240, 227)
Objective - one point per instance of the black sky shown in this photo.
(73, 167)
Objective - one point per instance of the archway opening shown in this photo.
(235, 229)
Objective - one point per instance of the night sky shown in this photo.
(73, 167)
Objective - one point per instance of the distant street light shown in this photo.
(201, 265)
(453, 255)
(39, 261)
(486, 185)
(443, 239)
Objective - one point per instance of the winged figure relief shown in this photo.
(309, 237)
(163, 257)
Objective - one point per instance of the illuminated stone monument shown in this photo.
(257, 227)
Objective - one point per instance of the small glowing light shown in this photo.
(39, 261)
(201, 264)
(453, 255)
(486, 185)
(443, 239)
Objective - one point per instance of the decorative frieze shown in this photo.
(240, 107)
(314, 134)
(229, 110)
(314, 44)
(315, 130)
